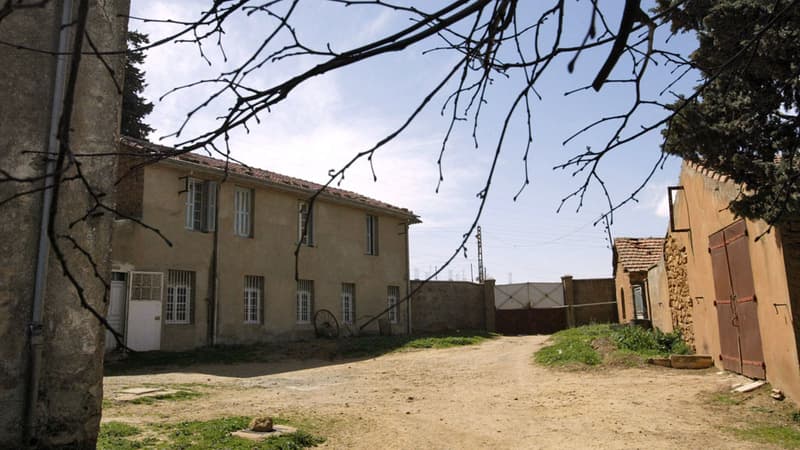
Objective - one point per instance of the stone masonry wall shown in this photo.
(67, 404)
(680, 301)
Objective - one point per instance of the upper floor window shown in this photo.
(242, 212)
(305, 224)
(253, 298)
(372, 234)
(180, 288)
(201, 204)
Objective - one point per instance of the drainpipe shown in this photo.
(408, 284)
(35, 327)
(215, 267)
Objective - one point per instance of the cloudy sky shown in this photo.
(330, 118)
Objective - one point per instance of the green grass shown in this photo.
(573, 346)
(171, 396)
(210, 434)
(114, 435)
(786, 436)
(626, 345)
(376, 345)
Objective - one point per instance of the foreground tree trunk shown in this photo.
(65, 409)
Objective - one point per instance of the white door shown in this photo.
(144, 311)
(116, 308)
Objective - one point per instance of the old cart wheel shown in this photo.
(325, 324)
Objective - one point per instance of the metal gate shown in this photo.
(737, 310)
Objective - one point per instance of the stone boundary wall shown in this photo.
(441, 306)
(680, 302)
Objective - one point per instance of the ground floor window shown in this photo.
(305, 300)
(180, 288)
(253, 298)
(393, 293)
(639, 302)
(348, 303)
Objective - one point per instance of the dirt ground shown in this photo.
(485, 396)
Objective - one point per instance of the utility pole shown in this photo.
(481, 272)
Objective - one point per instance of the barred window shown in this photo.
(180, 287)
(305, 300)
(253, 297)
(393, 293)
(348, 303)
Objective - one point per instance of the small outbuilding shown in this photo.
(632, 257)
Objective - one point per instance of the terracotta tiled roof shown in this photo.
(265, 175)
(638, 254)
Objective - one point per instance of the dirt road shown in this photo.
(486, 396)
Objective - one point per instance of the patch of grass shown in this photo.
(619, 345)
(786, 436)
(114, 435)
(376, 345)
(574, 346)
(213, 434)
(727, 398)
(171, 396)
(649, 342)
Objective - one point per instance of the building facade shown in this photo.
(218, 264)
(632, 257)
(733, 284)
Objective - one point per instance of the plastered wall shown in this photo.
(337, 256)
(701, 207)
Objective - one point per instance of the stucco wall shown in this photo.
(623, 291)
(658, 293)
(701, 206)
(338, 256)
(448, 305)
(68, 401)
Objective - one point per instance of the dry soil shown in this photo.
(487, 396)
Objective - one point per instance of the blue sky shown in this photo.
(330, 118)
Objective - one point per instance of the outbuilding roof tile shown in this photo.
(638, 254)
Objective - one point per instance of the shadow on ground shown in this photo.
(266, 359)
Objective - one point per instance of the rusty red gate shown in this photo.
(530, 321)
(737, 311)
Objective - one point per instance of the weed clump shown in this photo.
(589, 345)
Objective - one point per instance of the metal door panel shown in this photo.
(728, 335)
(746, 305)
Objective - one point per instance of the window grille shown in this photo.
(305, 300)
(253, 295)
(146, 286)
(305, 218)
(392, 295)
(372, 235)
(242, 204)
(180, 287)
(348, 302)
